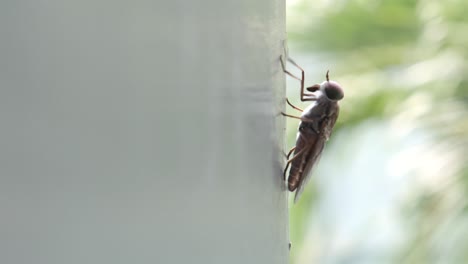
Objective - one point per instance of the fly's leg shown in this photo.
(298, 117)
(289, 73)
(290, 152)
(285, 170)
(287, 164)
(305, 120)
(304, 96)
(295, 107)
(298, 154)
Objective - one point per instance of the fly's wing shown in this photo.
(324, 134)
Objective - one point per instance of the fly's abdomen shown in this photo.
(298, 164)
(293, 180)
(305, 146)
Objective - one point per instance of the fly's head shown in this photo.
(331, 89)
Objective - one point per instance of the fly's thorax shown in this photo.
(317, 108)
(308, 110)
(307, 113)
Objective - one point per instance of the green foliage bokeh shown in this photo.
(389, 54)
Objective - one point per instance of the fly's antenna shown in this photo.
(327, 76)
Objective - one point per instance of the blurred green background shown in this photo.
(392, 184)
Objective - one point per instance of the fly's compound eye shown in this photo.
(333, 91)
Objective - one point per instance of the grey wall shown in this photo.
(141, 132)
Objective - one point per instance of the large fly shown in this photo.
(315, 128)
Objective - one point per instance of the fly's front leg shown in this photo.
(289, 73)
(304, 96)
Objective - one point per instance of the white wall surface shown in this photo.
(141, 132)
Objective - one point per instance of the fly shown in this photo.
(315, 128)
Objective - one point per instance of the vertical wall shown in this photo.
(141, 132)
